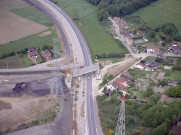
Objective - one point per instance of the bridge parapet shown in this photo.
(85, 70)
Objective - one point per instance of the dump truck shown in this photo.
(77, 85)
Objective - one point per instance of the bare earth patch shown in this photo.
(115, 70)
(168, 99)
(44, 33)
(23, 110)
(161, 76)
(14, 27)
(158, 89)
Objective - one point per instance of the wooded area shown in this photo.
(118, 7)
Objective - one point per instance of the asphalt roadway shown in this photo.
(91, 124)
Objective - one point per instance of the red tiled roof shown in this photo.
(126, 73)
(153, 47)
(116, 18)
(121, 80)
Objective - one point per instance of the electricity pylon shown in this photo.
(120, 128)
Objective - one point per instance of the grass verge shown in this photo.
(85, 16)
(138, 74)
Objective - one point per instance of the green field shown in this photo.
(173, 74)
(16, 62)
(138, 74)
(161, 12)
(33, 41)
(32, 14)
(85, 16)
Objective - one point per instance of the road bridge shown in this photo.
(83, 71)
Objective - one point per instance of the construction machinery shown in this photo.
(77, 85)
(23, 86)
(39, 81)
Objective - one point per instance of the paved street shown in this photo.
(137, 55)
(78, 43)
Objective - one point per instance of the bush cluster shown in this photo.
(109, 55)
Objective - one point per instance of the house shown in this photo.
(46, 55)
(139, 66)
(108, 92)
(153, 49)
(122, 87)
(152, 65)
(112, 86)
(127, 38)
(122, 24)
(175, 49)
(32, 53)
(167, 67)
(126, 75)
(116, 19)
(122, 82)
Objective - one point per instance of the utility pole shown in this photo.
(120, 128)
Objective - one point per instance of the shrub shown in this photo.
(163, 82)
(174, 92)
(109, 55)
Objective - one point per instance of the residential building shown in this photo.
(139, 66)
(112, 86)
(116, 19)
(46, 55)
(127, 38)
(152, 49)
(167, 67)
(126, 75)
(122, 82)
(32, 53)
(152, 65)
(175, 49)
(108, 92)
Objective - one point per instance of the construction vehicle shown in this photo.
(79, 78)
(77, 85)
(39, 81)
(23, 86)
(109, 131)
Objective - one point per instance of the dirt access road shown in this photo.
(14, 27)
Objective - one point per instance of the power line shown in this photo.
(56, 81)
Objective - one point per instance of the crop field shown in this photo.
(85, 16)
(161, 12)
(33, 41)
(32, 14)
(14, 27)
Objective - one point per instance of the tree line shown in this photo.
(118, 7)
(109, 55)
(24, 51)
